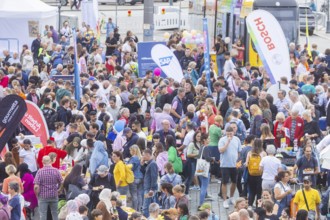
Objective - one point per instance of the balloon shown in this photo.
(193, 32)
(184, 33)
(183, 40)
(157, 71)
(167, 35)
(198, 35)
(227, 40)
(119, 125)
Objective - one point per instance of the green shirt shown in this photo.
(215, 134)
(174, 159)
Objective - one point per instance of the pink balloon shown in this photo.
(157, 71)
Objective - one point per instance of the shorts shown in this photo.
(228, 173)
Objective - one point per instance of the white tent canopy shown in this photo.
(21, 19)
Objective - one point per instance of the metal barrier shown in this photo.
(170, 21)
(320, 21)
(9, 48)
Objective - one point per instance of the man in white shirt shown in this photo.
(229, 65)
(294, 97)
(98, 56)
(136, 127)
(301, 68)
(27, 155)
(48, 40)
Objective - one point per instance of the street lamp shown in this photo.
(328, 21)
(59, 16)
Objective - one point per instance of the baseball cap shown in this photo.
(204, 206)
(102, 169)
(92, 78)
(307, 178)
(126, 131)
(279, 156)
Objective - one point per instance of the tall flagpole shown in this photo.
(76, 70)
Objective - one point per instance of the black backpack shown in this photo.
(48, 114)
(52, 121)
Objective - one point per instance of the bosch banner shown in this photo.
(270, 42)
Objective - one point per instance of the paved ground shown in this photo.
(217, 207)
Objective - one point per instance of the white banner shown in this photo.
(89, 13)
(167, 61)
(270, 42)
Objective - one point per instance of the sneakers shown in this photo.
(225, 204)
(232, 200)
(195, 188)
(209, 198)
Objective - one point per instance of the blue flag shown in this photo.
(207, 55)
(76, 70)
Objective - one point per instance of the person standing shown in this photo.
(14, 202)
(150, 184)
(307, 199)
(110, 26)
(229, 147)
(46, 185)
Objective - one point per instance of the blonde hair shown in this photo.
(10, 169)
(136, 151)
(279, 116)
(34, 72)
(179, 188)
(256, 110)
(218, 118)
(265, 131)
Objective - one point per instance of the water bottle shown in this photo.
(295, 145)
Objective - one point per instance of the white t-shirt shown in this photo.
(270, 165)
(283, 188)
(29, 157)
(187, 140)
(298, 105)
(59, 138)
(228, 67)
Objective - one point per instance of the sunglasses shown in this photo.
(188, 69)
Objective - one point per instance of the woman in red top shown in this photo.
(298, 129)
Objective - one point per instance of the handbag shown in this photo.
(73, 192)
(311, 213)
(202, 166)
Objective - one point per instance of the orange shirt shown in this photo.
(10, 179)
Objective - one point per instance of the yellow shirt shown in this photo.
(120, 174)
(312, 196)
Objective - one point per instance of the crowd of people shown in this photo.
(134, 147)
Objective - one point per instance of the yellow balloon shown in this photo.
(185, 33)
(167, 35)
(193, 32)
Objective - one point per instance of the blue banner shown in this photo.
(207, 55)
(76, 69)
(145, 62)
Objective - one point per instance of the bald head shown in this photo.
(46, 160)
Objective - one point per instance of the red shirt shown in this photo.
(61, 154)
(4, 82)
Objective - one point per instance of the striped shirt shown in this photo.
(49, 179)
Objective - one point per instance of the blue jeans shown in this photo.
(146, 203)
(123, 190)
(191, 166)
(220, 63)
(204, 181)
(43, 207)
(136, 190)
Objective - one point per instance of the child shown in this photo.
(97, 214)
(83, 211)
(52, 156)
(183, 211)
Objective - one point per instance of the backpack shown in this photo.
(253, 166)
(129, 174)
(53, 119)
(47, 112)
